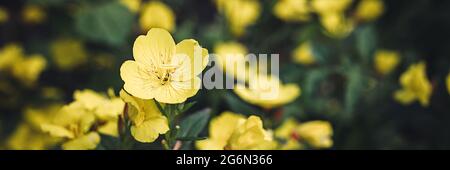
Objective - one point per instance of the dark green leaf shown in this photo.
(192, 125)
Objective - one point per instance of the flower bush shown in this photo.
(224, 74)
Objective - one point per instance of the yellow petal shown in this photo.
(57, 131)
(150, 129)
(177, 92)
(286, 129)
(110, 128)
(154, 49)
(137, 81)
(192, 59)
(89, 141)
(210, 144)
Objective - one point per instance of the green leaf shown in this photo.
(190, 138)
(366, 42)
(108, 23)
(312, 81)
(193, 125)
(354, 87)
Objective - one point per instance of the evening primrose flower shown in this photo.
(239, 14)
(369, 10)
(415, 86)
(336, 25)
(73, 123)
(267, 91)
(132, 5)
(4, 16)
(292, 10)
(106, 109)
(28, 134)
(68, 54)
(386, 61)
(28, 69)
(156, 14)
(315, 133)
(303, 54)
(147, 120)
(231, 131)
(33, 14)
(162, 70)
(231, 55)
(330, 6)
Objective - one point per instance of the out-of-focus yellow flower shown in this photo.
(81, 121)
(147, 121)
(162, 70)
(33, 14)
(29, 69)
(239, 13)
(330, 6)
(232, 131)
(336, 25)
(386, 61)
(106, 110)
(68, 53)
(369, 10)
(292, 10)
(267, 91)
(303, 54)
(232, 55)
(28, 134)
(448, 83)
(156, 14)
(4, 16)
(415, 86)
(132, 5)
(316, 133)
(10, 54)
(74, 124)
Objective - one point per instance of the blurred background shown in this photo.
(50, 48)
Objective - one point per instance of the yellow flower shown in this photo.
(386, 61)
(156, 14)
(316, 133)
(29, 69)
(68, 53)
(132, 5)
(239, 14)
(232, 131)
(106, 110)
(303, 54)
(230, 55)
(24, 137)
(448, 83)
(28, 134)
(292, 10)
(4, 16)
(33, 14)
(162, 70)
(10, 54)
(74, 124)
(416, 86)
(336, 25)
(369, 10)
(330, 6)
(147, 121)
(267, 91)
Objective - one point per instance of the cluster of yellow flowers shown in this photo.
(332, 13)
(79, 123)
(31, 14)
(24, 68)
